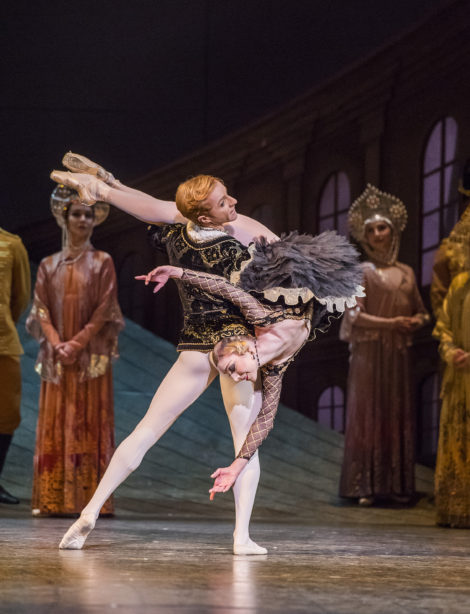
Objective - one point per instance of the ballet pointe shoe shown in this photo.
(78, 532)
(79, 164)
(249, 547)
(90, 189)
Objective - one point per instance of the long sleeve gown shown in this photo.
(74, 300)
(452, 476)
(379, 439)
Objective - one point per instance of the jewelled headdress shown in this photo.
(374, 206)
(62, 197)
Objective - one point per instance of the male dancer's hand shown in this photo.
(225, 477)
(161, 275)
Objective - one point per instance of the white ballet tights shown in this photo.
(242, 405)
(184, 383)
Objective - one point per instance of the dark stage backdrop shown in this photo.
(138, 84)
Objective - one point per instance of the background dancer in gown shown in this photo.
(327, 266)
(379, 442)
(452, 475)
(209, 241)
(76, 319)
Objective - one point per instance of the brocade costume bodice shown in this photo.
(207, 318)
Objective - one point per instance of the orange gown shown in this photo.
(74, 299)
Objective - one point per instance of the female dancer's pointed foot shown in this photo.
(89, 188)
(78, 532)
(79, 164)
(249, 547)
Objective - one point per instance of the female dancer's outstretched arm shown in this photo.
(225, 477)
(253, 311)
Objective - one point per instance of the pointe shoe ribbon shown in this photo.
(79, 164)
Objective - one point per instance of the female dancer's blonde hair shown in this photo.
(231, 345)
(191, 196)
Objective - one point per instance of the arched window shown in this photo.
(439, 205)
(428, 419)
(335, 199)
(331, 409)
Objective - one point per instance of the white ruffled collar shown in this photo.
(199, 234)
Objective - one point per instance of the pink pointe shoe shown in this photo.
(89, 188)
(79, 164)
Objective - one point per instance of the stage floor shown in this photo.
(177, 565)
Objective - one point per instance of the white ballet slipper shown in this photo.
(250, 547)
(78, 532)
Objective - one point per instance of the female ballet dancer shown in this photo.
(211, 240)
(288, 317)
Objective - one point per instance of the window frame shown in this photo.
(336, 211)
(442, 208)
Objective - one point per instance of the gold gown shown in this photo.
(452, 477)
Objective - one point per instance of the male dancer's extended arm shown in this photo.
(150, 209)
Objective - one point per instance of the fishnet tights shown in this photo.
(264, 422)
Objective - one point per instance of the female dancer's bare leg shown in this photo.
(184, 383)
(242, 405)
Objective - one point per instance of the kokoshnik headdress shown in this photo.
(61, 198)
(375, 206)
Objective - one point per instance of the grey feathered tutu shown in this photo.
(299, 267)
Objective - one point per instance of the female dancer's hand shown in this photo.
(403, 324)
(67, 352)
(461, 359)
(161, 275)
(224, 477)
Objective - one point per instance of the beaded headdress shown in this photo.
(374, 206)
(62, 197)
